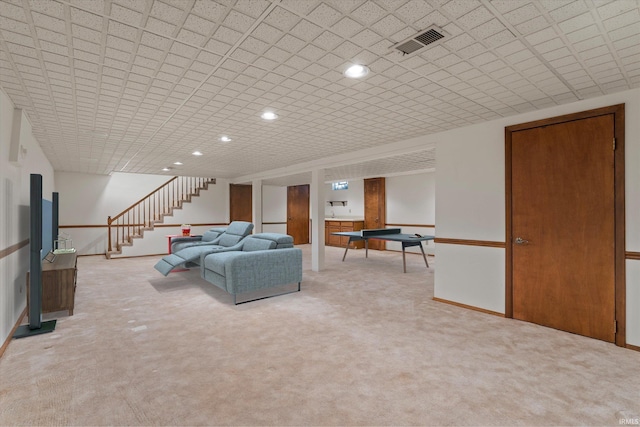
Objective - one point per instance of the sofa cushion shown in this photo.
(211, 235)
(227, 240)
(240, 228)
(281, 240)
(250, 244)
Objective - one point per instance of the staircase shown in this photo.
(142, 216)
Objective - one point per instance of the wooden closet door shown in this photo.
(298, 213)
(563, 226)
(240, 204)
(375, 208)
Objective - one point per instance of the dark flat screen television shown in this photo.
(42, 215)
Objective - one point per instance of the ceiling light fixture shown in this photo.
(356, 71)
(197, 153)
(177, 163)
(225, 138)
(166, 169)
(269, 115)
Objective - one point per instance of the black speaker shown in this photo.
(35, 253)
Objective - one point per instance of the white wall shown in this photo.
(274, 209)
(354, 196)
(87, 200)
(470, 185)
(14, 211)
(411, 199)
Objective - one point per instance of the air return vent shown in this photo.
(419, 41)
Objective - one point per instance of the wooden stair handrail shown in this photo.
(142, 199)
(152, 208)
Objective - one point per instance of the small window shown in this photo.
(341, 185)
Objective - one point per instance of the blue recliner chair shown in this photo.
(229, 240)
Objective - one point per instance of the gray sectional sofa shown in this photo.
(240, 263)
(265, 261)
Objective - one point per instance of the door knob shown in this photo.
(521, 241)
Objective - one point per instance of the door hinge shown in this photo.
(614, 144)
(615, 326)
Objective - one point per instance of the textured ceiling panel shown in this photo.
(136, 85)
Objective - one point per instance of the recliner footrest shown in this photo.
(168, 263)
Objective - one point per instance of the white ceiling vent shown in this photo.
(420, 40)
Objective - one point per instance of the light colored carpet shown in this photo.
(362, 344)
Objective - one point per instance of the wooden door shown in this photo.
(375, 208)
(563, 229)
(240, 197)
(298, 213)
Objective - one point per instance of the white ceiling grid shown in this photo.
(135, 85)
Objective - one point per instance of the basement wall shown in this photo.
(470, 188)
(14, 214)
(87, 200)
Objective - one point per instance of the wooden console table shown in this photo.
(58, 283)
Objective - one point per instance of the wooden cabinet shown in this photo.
(334, 226)
(58, 283)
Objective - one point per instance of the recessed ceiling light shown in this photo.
(269, 115)
(166, 169)
(225, 138)
(177, 163)
(197, 153)
(356, 71)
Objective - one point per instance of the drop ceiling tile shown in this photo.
(86, 33)
(458, 8)
(388, 25)
(199, 25)
(347, 27)
(50, 8)
(126, 15)
(87, 19)
(306, 30)
(208, 59)
(532, 25)
(166, 12)
(282, 19)
(191, 37)
(112, 42)
(476, 18)
(622, 33)
(227, 36)
(366, 38)
(238, 21)
(48, 22)
(569, 10)
(488, 29)
(628, 18)
(51, 36)
(159, 27)
(577, 23)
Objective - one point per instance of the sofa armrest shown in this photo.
(185, 239)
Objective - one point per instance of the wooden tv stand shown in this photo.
(58, 283)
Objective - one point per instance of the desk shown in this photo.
(390, 234)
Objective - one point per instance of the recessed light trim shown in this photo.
(356, 71)
(225, 138)
(197, 153)
(269, 115)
